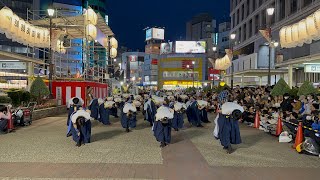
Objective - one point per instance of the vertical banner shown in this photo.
(59, 95)
(68, 94)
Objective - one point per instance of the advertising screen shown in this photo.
(155, 33)
(148, 34)
(166, 48)
(190, 47)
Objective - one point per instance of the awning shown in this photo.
(258, 73)
(315, 58)
(4, 55)
(74, 25)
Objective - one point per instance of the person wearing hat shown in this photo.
(103, 113)
(128, 118)
(151, 110)
(228, 121)
(94, 108)
(74, 104)
(162, 125)
(81, 127)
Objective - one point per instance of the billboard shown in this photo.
(148, 34)
(155, 33)
(166, 48)
(13, 65)
(191, 47)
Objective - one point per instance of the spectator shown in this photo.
(4, 118)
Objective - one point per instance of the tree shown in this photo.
(280, 88)
(306, 89)
(39, 89)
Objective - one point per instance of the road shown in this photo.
(42, 151)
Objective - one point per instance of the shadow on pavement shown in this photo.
(250, 140)
(106, 135)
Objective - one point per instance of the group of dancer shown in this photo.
(164, 112)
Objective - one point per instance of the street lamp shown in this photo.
(270, 12)
(214, 48)
(50, 13)
(232, 37)
(193, 63)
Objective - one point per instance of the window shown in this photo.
(307, 3)
(293, 6)
(250, 28)
(282, 6)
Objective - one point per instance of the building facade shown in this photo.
(202, 28)
(223, 37)
(16, 77)
(250, 16)
(179, 71)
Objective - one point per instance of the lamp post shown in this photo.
(188, 66)
(270, 12)
(232, 38)
(50, 13)
(193, 63)
(214, 49)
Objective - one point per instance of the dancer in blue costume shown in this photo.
(104, 113)
(81, 127)
(179, 109)
(128, 119)
(162, 125)
(195, 115)
(229, 132)
(74, 104)
(94, 108)
(151, 110)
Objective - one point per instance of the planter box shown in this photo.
(48, 112)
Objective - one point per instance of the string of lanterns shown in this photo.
(21, 31)
(303, 32)
(225, 62)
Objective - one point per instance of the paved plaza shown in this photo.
(42, 151)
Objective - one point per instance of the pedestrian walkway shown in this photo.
(42, 151)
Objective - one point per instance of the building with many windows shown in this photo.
(252, 50)
(202, 27)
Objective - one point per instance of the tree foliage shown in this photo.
(280, 88)
(306, 89)
(39, 89)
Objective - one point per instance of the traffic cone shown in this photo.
(299, 136)
(257, 120)
(279, 126)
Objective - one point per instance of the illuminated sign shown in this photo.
(190, 47)
(155, 33)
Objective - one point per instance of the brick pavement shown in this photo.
(181, 160)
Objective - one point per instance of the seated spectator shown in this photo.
(286, 103)
(248, 116)
(296, 105)
(4, 118)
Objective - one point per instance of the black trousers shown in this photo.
(3, 125)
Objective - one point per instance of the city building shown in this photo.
(202, 28)
(17, 76)
(254, 51)
(223, 38)
(133, 65)
(179, 71)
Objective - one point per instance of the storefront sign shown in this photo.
(312, 68)
(13, 65)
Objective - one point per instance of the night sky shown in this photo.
(128, 18)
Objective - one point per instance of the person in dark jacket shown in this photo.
(286, 103)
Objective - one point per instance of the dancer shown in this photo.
(162, 125)
(103, 113)
(81, 127)
(179, 109)
(229, 132)
(75, 104)
(128, 118)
